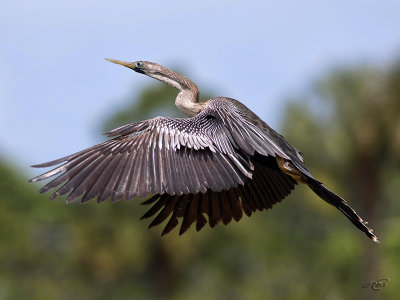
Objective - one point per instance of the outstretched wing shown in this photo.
(268, 186)
(162, 155)
(156, 156)
(216, 159)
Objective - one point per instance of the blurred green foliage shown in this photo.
(302, 249)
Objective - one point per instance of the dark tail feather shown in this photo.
(341, 205)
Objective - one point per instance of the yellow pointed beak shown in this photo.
(122, 63)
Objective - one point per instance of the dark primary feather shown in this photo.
(268, 186)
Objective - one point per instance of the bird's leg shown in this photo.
(289, 168)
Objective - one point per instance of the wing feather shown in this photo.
(255, 194)
(217, 163)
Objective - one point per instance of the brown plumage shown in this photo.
(222, 161)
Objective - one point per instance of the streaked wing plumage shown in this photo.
(209, 152)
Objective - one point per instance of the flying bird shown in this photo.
(221, 161)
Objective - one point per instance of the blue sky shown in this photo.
(55, 86)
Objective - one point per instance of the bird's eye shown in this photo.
(138, 64)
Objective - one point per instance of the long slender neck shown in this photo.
(187, 100)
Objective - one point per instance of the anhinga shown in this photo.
(221, 161)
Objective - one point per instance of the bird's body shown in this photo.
(221, 161)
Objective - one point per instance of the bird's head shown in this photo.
(159, 72)
(144, 67)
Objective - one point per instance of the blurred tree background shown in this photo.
(348, 127)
